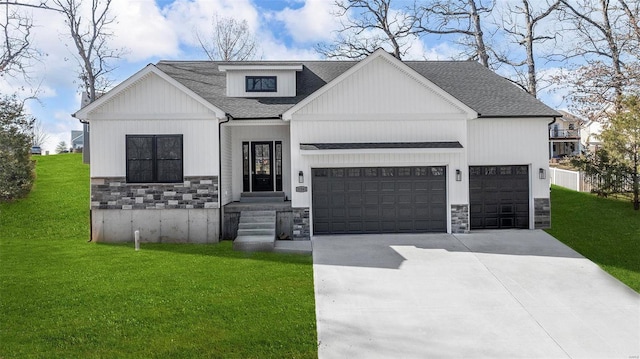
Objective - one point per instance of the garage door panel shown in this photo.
(370, 199)
(499, 197)
(379, 200)
(336, 200)
(388, 186)
(369, 186)
(353, 186)
(354, 199)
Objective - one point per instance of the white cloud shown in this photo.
(313, 22)
(143, 30)
(188, 16)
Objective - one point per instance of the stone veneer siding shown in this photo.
(542, 213)
(115, 193)
(301, 228)
(459, 218)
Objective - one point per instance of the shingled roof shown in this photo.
(472, 84)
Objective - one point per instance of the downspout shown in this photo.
(220, 217)
(549, 136)
(85, 122)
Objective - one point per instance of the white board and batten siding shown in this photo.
(379, 102)
(257, 132)
(152, 106)
(512, 141)
(226, 156)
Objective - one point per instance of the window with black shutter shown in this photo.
(154, 158)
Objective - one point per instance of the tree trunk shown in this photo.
(481, 48)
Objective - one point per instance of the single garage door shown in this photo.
(499, 197)
(379, 200)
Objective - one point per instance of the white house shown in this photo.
(564, 136)
(371, 146)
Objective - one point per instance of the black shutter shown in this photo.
(169, 158)
(139, 159)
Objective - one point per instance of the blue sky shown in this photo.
(164, 29)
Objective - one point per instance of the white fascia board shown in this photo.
(361, 151)
(83, 113)
(380, 53)
(255, 67)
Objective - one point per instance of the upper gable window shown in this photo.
(261, 84)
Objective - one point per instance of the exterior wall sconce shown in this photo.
(458, 175)
(300, 177)
(542, 174)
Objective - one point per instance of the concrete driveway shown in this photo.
(489, 294)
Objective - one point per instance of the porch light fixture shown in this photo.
(542, 174)
(300, 177)
(458, 175)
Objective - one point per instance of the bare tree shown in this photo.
(17, 49)
(457, 17)
(38, 134)
(229, 40)
(368, 25)
(90, 37)
(519, 21)
(601, 32)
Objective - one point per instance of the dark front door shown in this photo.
(262, 166)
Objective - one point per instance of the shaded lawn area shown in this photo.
(607, 231)
(61, 297)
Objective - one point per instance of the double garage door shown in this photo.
(379, 200)
(414, 199)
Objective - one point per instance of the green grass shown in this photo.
(607, 231)
(61, 297)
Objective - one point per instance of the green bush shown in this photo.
(16, 167)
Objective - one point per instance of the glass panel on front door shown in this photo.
(262, 179)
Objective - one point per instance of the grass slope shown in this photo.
(61, 297)
(607, 231)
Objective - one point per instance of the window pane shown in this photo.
(139, 147)
(261, 83)
(169, 170)
(140, 171)
(169, 147)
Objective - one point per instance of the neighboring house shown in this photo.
(77, 140)
(565, 136)
(370, 146)
(589, 136)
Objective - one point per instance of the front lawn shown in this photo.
(607, 231)
(61, 297)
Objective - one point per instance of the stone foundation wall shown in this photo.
(301, 227)
(542, 213)
(459, 218)
(114, 193)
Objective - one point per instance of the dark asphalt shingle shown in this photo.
(472, 84)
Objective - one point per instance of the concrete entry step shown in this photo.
(262, 197)
(256, 231)
(254, 243)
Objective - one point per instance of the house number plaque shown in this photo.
(301, 189)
